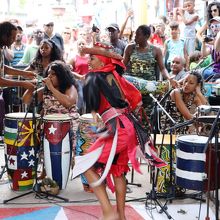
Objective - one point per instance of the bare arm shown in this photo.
(188, 21)
(200, 31)
(130, 13)
(200, 98)
(205, 51)
(11, 83)
(28, 95)
(16, 72)
(186, 57)
(127, 54)
(68, 99)
(159, 58)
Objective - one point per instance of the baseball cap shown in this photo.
(217, 18)
(49, 23)
(113, 25)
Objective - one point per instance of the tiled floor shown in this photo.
(86, 202)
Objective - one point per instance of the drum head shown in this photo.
(88, 117)
(194, 139)
(57, 117)
(21, 115)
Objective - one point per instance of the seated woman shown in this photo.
(59, 94)
(187, 98)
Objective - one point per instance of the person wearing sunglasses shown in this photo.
(55, 37)
(212, 46)
(212, 11)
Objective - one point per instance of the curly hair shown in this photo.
(209, 13)
(6, 29)
(198, 76)
(63, 74)
(56, 53)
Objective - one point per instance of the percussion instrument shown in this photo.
(192, 163)
(21, 152)
(207, 119)
(163, 174)
(146, 87)
(85, 137)
(57, 146)
(207, 109)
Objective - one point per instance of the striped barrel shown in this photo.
(191, 161)
(21, 153)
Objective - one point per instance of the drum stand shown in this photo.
(214, 133)
(36, 187)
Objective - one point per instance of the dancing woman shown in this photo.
(106, 92)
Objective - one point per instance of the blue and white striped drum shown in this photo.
(191, 169)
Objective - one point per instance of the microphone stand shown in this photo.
(152, 195)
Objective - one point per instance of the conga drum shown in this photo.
(22, 147)
(57, 147)
(192, 163)
(85, 137)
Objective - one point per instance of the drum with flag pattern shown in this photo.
(22, 147)
(57, 147)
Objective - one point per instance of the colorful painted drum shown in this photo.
(163, 174)
(85, 137)
(146, 87)
(21, 153)
(192, 163)
(57, 147)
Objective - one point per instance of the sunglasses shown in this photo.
(212, 26)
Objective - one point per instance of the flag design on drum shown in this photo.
(21, 133)
(21, 162)
(57, 151)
